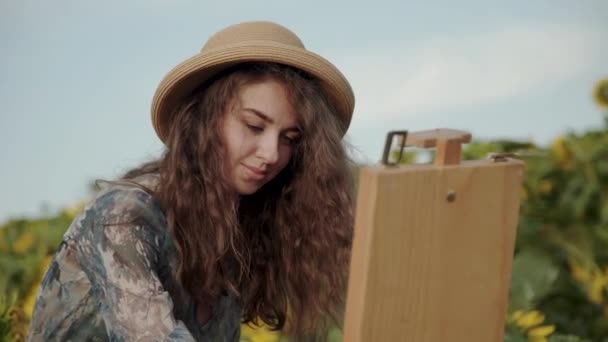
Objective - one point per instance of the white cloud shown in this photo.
(461, 71)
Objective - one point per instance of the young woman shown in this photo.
(246, 217)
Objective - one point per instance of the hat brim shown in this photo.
(182, 80)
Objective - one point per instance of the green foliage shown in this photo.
(560, 266)
(481, 149)
(26, 243)
(24, 246)
(7, 303)
(534, 273)
(567, 338)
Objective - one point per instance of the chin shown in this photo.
(245, 190)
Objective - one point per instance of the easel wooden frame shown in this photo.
(433, 246)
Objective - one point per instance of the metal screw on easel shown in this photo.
(451, 196)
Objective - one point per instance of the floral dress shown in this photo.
(112, 279)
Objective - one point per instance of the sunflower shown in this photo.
(600, 94)
(531, 322)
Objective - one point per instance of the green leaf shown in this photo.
(515, 338)
(566, 338)
(534, 273)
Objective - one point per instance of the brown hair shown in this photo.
(290, 241)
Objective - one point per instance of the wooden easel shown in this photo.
(433, 246)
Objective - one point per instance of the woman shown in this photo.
(247, 216)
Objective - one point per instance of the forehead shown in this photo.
(270, 97)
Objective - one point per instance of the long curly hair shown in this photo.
(288, 243)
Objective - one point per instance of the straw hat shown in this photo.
(248, 42)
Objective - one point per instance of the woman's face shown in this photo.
(260, 134)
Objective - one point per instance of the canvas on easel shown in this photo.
(433, 246)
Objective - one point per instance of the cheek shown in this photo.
(235, 142)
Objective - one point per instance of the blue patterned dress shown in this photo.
(112, 279)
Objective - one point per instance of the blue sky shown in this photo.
(77, 77)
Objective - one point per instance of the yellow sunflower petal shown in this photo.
(516, 315)
(530, 319)
(596, 287)
(542, 331)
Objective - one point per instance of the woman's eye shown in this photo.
(255, 129)
(291, 140)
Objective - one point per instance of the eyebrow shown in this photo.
(268, 119)
(260, 114)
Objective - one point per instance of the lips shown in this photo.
(254, 173)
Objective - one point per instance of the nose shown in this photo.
(268, 149)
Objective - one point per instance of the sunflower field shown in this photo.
(559, 284)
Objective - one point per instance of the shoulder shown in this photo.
(123, 203)
(121, 214)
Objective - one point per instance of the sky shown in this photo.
(77, 77)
